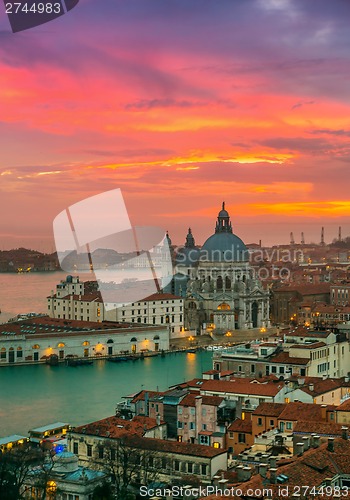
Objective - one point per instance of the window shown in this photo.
(241, 438)
(76, 448)
(239, 368)
(281, 369)
(273, 369)
(164, 463)
(204, 412)
(289, 426)
(112, 454)
(204, 439)
(89, 450)
(179, 424)
(100, 452)
(179, 410)
(192, 426)
(190, 467)
(19, 352)
(260, 422)
(216, 445)
(203, 470)
(272, 423)
(252, 368)
(176, 465)
(204, 427)
(192, 411)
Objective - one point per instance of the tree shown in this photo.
(126, 465)
(16, 466)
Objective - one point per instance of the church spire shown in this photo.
(190, 243)
(223, 224)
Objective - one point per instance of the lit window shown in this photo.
(216, 445)
(61, 344)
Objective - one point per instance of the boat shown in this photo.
(52, 360)
(118, 359)
(78, 362)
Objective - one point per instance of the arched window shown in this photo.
(110, 341)
(19, 352)
(36, 346)
(3, 353)
(227, 283)
(219, 283)
(134, 339)
(156, 337)
(86, 342)
(61, 344)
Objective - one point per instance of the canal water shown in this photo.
(31, 396)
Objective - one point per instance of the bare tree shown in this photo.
(16, 466)
(126, 465)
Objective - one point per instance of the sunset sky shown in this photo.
(182, 104)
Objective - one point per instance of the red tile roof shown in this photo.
(320, 428)
(284, 358)
(141, 395)
(307, 411)
(115, 427)
(241, 386)
(312, 345)
(269, 409)
(345, 406)
(190, 400)
(239, 425)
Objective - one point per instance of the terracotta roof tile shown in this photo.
(240, 425)
(241, 386)
(115, 427)
(269, 409)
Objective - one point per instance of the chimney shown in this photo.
(239, 471)
(315, 441)
(299, 448)
(273, 475)
(247, 473)
(306, 441)
(216, 480)
(346, 379)
(311, 387)
(344, 433)
(330, 446)
(263, 470)
(273, 462)
(324, 412)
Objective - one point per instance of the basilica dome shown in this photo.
(223, 245)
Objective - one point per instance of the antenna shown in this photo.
(322, 236)
(339, 234)
(302, 239)
(292, 242)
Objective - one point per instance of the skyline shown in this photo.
(182, 106)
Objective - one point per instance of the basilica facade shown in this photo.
(222, 292)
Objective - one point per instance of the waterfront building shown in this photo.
(222, 292)
(39, 339)
(77, 300)
(304, 352)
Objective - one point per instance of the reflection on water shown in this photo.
(36, 395)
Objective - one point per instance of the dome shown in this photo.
(65, 462)
(224, 247)
(223, 213)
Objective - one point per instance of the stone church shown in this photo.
(222, 292)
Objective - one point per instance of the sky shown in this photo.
(182, 104)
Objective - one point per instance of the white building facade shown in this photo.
(76, 300)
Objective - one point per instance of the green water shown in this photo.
(31, 396)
